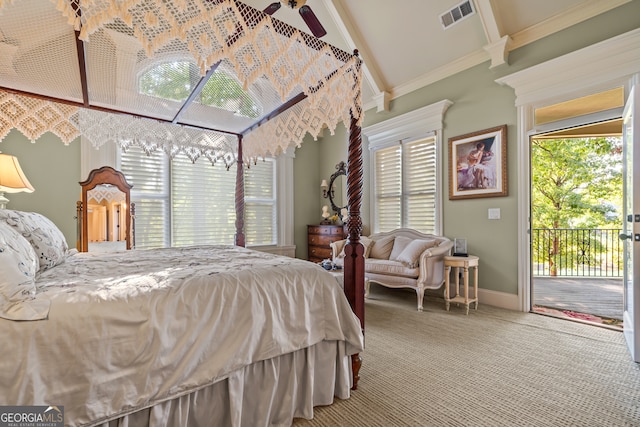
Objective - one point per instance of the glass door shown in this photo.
(631, 226)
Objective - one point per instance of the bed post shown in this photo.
(239, 239)
(354, 251)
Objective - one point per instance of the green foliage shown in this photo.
(576, 183)
(176, 80)
(170, 80)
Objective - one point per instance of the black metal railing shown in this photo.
(577, 252)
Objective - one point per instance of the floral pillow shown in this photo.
(47, 240)
(18, 265)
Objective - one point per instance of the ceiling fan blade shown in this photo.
(312, 21)
(272, 8)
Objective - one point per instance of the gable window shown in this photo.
(405, 176)
(405, 186)
(176, 80)
(180, 203)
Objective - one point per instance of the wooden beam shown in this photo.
(195, 92)
(82, 62)
(240, 237)
(290, 103)
(82, 66)
(109, 110)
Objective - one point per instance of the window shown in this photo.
(180, 203)
(405, 186)
(176, 80)
(404, 170)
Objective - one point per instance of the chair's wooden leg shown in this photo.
(356, 363)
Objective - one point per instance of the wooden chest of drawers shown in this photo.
(319, 239)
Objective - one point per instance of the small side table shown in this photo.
(465, 262)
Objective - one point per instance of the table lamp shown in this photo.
(12, 179)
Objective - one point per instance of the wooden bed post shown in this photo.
(239, 239)
(354, 251)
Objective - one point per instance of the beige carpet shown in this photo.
(492, 368)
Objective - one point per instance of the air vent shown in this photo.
(457, 14)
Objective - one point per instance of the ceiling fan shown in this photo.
(305, 11)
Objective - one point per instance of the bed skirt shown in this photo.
(267, 393)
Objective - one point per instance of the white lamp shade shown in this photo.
(12, 179)
(324, 184)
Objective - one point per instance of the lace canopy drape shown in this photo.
(121, 40)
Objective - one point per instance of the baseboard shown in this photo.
(498, 299)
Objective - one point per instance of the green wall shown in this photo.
(321, 156)
(478, 103)
(54, 171)
(306, 187)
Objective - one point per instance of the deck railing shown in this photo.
(577, 252)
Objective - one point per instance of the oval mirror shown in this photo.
(337, 188)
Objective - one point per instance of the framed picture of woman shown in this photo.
(478, 164)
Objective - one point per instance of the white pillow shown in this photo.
(381, 248)
(399, 243)
(339, 245)
(411, 253)
(366, 242)
(18, 265)
(47, 240)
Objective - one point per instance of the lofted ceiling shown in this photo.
(405, 47)
(265, 88)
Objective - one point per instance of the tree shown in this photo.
(576, 183)
(176, 80)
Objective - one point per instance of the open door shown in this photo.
(631, 226)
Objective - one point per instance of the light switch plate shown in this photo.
(494, 213)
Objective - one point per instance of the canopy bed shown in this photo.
(91, 70)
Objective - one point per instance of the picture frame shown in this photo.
(459, 247)
(478, 164)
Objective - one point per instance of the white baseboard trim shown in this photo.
(498, 299)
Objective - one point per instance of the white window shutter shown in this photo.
(261, 226)
(203, 200)
(419, 184)
(181, 203)
(406, 186)
(149, 176)
(388, 182)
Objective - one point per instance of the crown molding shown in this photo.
(409, 125)
(447, 70)
(597, 66)
(511, 42)
(499, 51)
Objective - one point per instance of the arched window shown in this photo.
(175, 80)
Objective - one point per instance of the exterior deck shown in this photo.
(601, 297)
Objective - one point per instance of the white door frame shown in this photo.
(603, 66)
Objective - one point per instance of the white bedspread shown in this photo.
(126, 330)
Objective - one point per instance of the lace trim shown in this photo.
(150, 135)
(106, 192)
(255, 44)
(34, 117)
